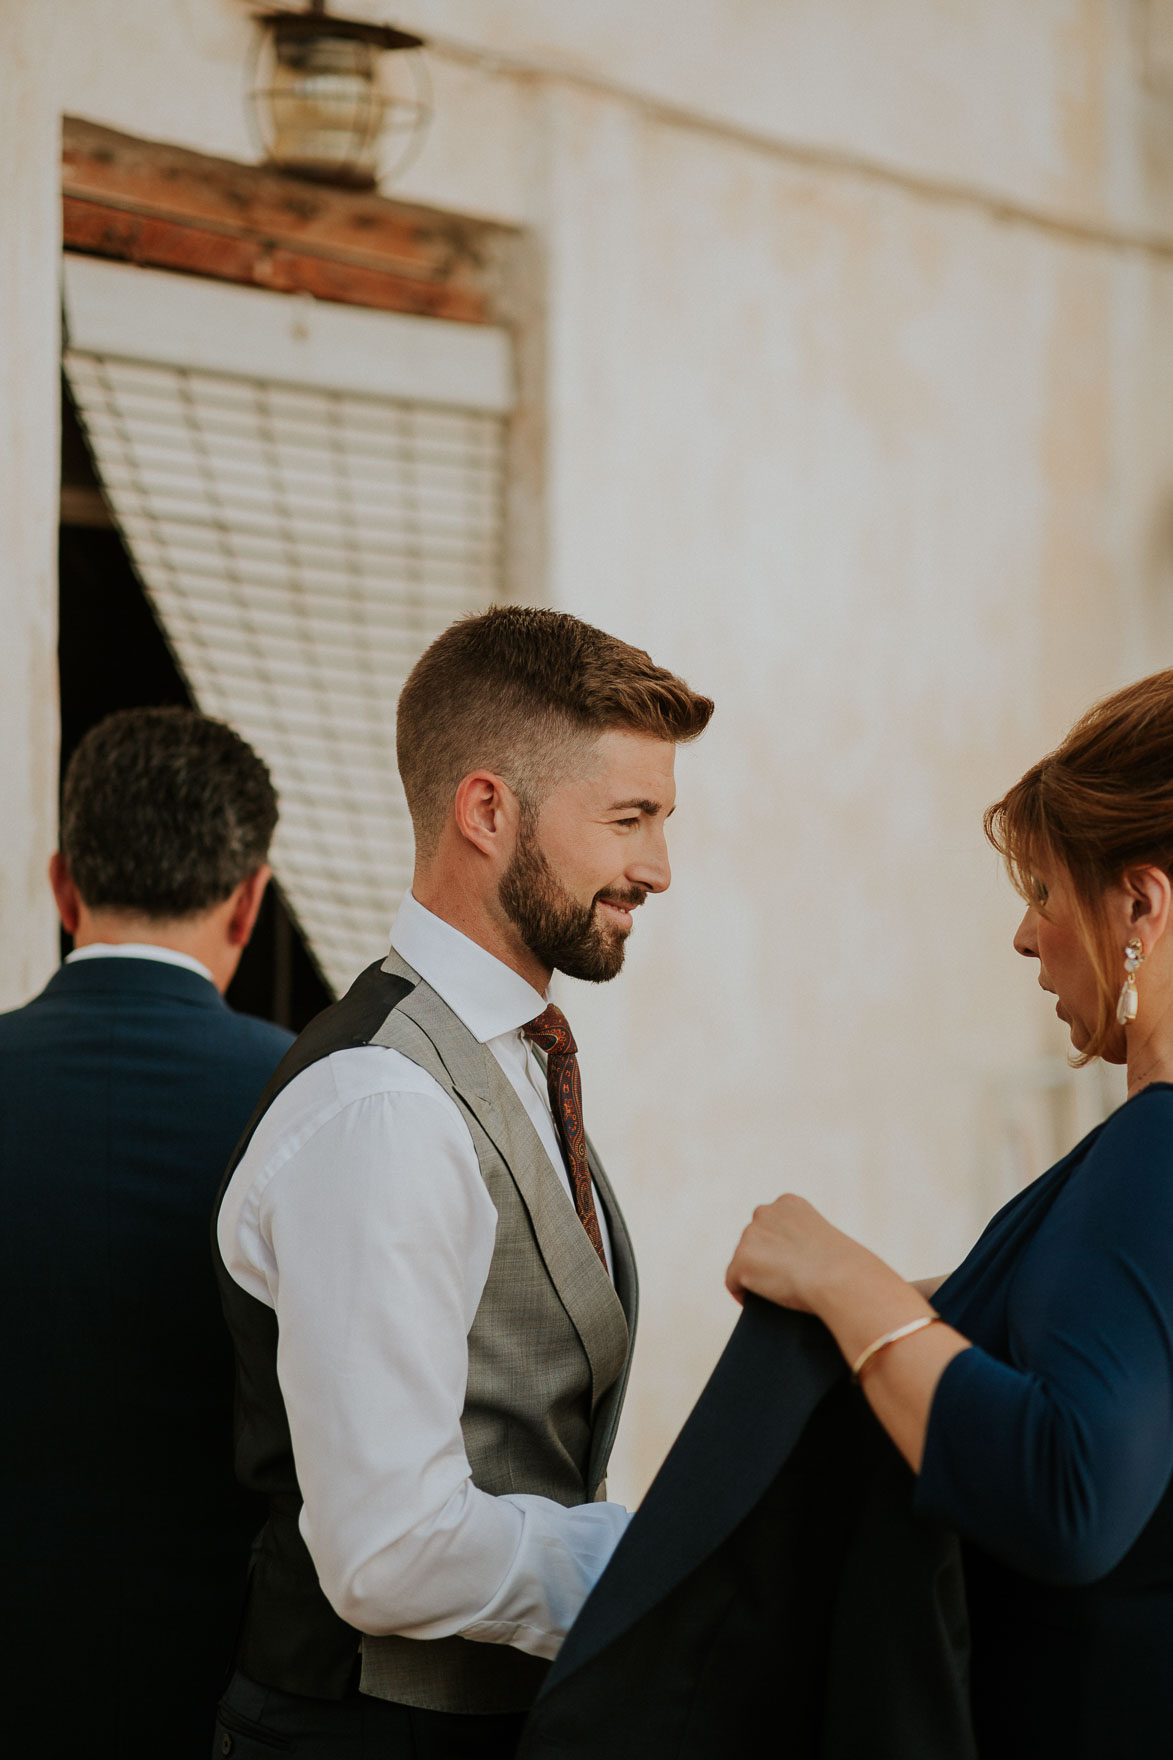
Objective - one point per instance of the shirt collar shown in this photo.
(166, 956)
(487, 995)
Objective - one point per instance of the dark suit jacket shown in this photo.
(123, 1088)
(775, 1592)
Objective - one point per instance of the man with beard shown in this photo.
(426, 1274)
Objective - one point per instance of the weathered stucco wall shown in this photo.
(1053, 103)
(857, 332)
(879, 489)
(29, 304)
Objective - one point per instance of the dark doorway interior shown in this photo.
(112, 654)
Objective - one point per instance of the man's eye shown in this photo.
(1040, 892)
(629, 824)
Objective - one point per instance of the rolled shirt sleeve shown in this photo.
(1055, 1459)
(367, 1226)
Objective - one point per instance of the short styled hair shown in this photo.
(163, 813)
(514, 690)
(1099, 804)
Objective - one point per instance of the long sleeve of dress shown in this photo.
(1054, 1456)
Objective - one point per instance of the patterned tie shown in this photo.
(551, 1033)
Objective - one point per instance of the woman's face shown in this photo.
(1065, 966)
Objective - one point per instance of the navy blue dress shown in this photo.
(1050, 1450)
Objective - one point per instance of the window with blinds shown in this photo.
(310, 494)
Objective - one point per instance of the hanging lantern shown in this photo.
(323, 100)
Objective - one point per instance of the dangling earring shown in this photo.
(1126, 1007)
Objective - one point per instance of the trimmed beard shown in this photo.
(565, 935)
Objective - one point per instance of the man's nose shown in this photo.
(1025, 940)
(651, 869)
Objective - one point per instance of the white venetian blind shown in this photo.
(310, 494)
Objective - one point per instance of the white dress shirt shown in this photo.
(359, 1214)
(166, 956)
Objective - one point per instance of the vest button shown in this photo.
(226, 1744)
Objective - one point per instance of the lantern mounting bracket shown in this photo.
(311, 22)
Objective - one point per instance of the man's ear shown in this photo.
(246, 902)
(1148, 895)
(487, 813)
(65, 892)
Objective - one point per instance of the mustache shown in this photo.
(630, 897)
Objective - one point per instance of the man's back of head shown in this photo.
(166, 820)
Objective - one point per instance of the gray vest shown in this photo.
(549, 1352)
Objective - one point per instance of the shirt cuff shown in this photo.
(561, 1555)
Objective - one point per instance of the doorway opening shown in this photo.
(112, 654)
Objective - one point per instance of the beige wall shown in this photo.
(877, 493)
(858, 411)
(29, 305)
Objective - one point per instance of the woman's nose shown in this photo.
(1025, 941)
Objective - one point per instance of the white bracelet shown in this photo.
(877, 1345)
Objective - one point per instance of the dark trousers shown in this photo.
(257, 1723)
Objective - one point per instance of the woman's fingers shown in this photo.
(775, 1253)
(760, 1264)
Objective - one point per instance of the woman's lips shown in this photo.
(1058, 1005)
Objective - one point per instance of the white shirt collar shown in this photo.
(167, 956)
(489, 996)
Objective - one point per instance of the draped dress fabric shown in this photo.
(1050, 1450)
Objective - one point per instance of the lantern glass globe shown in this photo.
(321, 109)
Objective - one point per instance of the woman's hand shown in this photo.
(792, 1255)
(795, 1257)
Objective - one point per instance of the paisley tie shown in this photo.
(551, 1033)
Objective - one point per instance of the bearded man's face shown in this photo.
(583, 940)
(591, 857)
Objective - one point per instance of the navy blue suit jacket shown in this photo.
(123, 1089)
(822, 1605)
(775, 1593)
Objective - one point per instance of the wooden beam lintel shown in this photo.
(167, 244)
(152, 203)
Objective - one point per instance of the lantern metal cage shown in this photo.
(326, 92)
